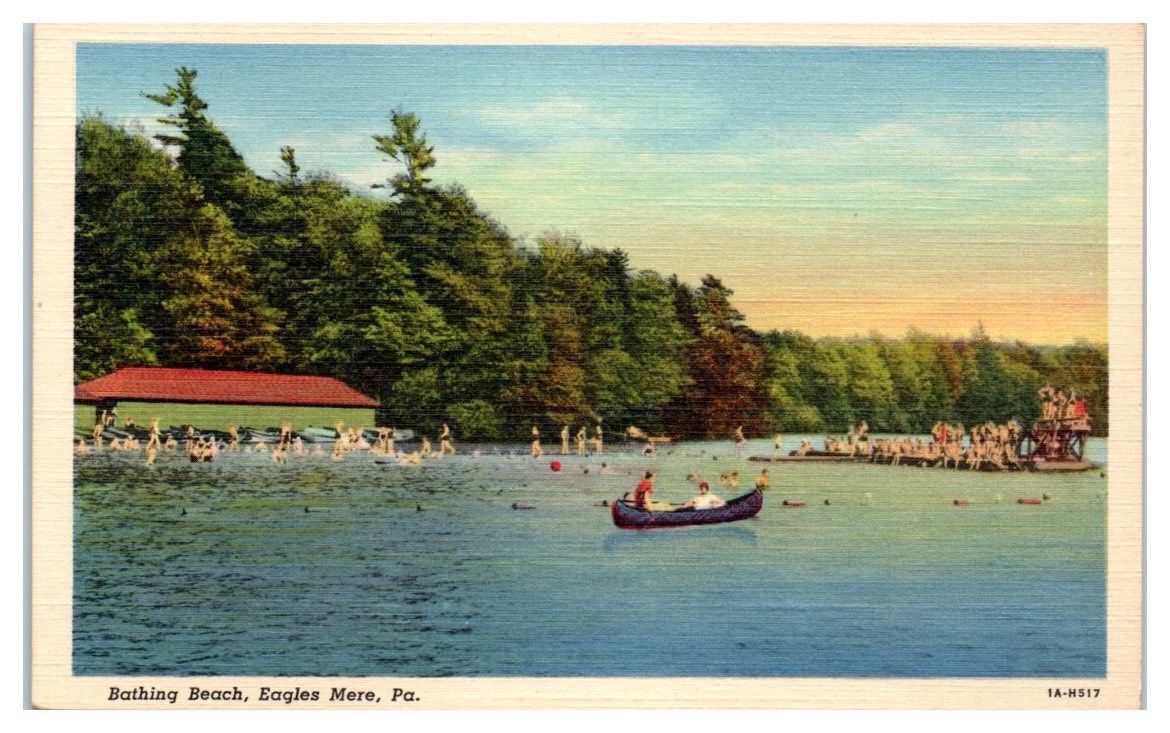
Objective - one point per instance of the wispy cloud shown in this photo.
(561, 113)
(888, 131)
(1051, 127)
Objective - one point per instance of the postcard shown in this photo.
(587, 366)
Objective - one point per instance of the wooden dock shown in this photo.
(1059, 466)
(919, 461)
(807, 458)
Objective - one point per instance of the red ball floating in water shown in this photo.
(555, 466)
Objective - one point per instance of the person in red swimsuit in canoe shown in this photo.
(643, 491)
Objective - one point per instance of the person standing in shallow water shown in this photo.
(565, 440)
(740, 441)
(445, 446)
(537, 452)
(597, 439)
(581, 441)
(154, 441)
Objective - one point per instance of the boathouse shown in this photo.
(211, 400)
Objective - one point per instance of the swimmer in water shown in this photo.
(411, 459)
(763, 481)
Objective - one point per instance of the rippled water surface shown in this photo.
(195, 569)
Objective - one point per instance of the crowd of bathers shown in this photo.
(205, 447)
(1061, 403)
(988, 444)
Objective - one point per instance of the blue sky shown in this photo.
(836, 190)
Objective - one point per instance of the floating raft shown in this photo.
(806, 458)
(1025, 464)
(1061, 466)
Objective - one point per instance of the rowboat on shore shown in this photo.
(627, 516)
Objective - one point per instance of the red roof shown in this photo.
(159, 384)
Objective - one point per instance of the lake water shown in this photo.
(217, 569)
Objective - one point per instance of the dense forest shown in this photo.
(186, 257)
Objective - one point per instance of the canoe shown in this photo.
(321, 435)
(313, 434)
(248, 435)
(626, 516)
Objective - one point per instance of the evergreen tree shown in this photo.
(726, 369)
(128, 201)
(871, 390)
(829, 387)
(408, 146)
(214, 317)
(204, 152)
(995, 388)
(787, 360)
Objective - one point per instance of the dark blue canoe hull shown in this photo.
(742, 507)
